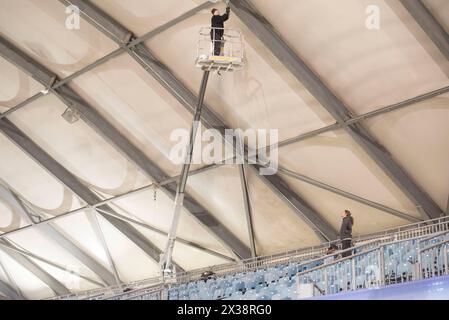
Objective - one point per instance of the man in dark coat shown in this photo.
(346, 232)
(217, 24)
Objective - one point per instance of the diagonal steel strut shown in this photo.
(179, 199)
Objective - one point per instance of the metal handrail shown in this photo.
(434, 246)
(150, 290)
(442, 233)
(381, 245)
(224, 31)
(321, 291)
(231, 44)
(126, 293)
(147, 293)
(339, 260)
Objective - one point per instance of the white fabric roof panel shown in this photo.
(31, 286)
(32, 183)
(9, 219)
(138, 106)
(187, 257)
(335, 159)
(220, 192)
(15, 86)
(276, 226)
(263, 95)
(78, 228)
(329, 205)
(131, 262)
(143, 16)
(158, 214)
(38, 27)
(70, 280)
(418, 137)
(43, 245)
(366, 68)
(78, 148)
(3, 275)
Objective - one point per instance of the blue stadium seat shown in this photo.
(218, 294)
(239, 286)
(276, 297)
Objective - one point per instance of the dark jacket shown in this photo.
(346, 228)
(207, 275)
(218, 21)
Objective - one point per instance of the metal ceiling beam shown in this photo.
(57, 236)
(348, 195)
(122, 36)
(365, 116)
(15, 205)
(188, 99)
(133, 234)
(50, 263)
(180, 240)
(93, 219)
(280, 49)
(248, 209)
(127, 219)
(74, 184)
(90, 262)
(11, 280)
(9, 292)
(21, 104)
(429, 24)
(57, 287)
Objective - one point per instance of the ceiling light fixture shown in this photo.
(70, 115)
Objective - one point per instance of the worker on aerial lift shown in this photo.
(217, 30)
(232, 61)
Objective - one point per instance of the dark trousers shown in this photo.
(346, 244)
(217, 43)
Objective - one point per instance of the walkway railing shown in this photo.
(414, 230)
(433, 260)
(152, 293)
(385, 264)
(411, 231)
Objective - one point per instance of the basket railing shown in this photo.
(231, 42)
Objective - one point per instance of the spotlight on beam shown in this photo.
(70, 115)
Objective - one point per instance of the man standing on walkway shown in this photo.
(346, 232)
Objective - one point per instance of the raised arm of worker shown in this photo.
(226, 15)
